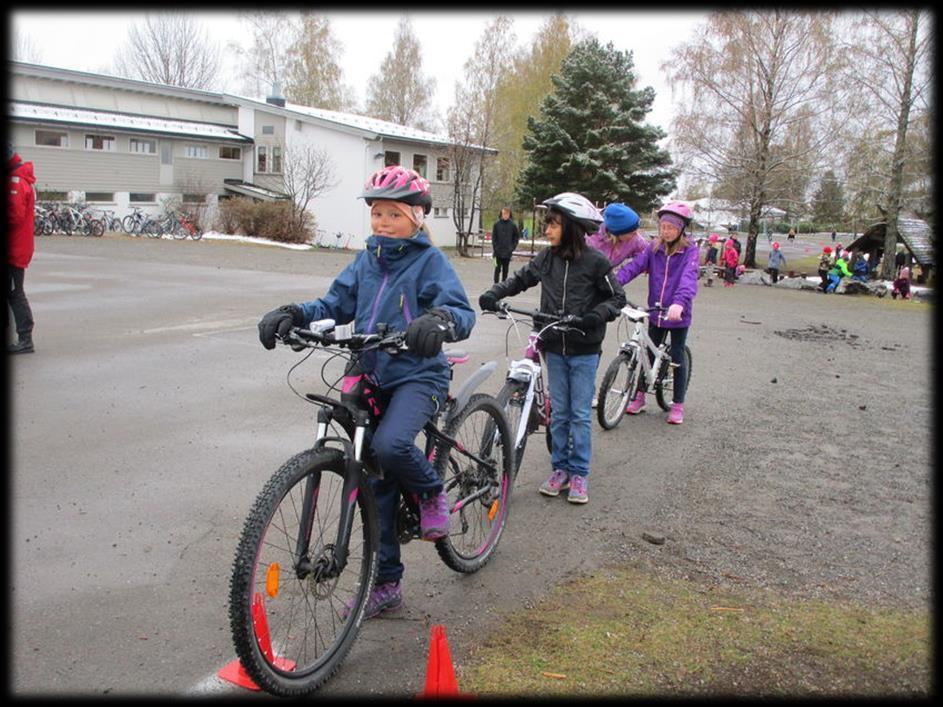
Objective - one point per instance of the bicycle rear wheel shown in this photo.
(478, 491)
(664, 388)
(292, 623)
(618, 385)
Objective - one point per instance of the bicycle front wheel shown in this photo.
(618, 385)
(477, 473)
(293, 619)
(664, 388)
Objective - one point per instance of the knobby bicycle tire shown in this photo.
(277, 616)
(476, 526)
(618, 385)
(664, 388)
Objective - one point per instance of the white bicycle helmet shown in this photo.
(578, 208)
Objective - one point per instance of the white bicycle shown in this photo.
(623, 376)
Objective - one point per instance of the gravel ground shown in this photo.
(803, 465)
(805, 459)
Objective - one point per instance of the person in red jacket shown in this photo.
(21, 207)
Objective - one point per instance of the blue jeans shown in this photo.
(833, 281)
(405, 468)
(572, 384)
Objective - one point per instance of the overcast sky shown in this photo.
(87, 41)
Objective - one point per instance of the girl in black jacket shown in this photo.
(575, 279)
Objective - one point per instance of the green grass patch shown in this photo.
(628, 632)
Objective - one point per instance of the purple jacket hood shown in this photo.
(672, 279)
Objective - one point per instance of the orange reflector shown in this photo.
(493, 511)
(271, 580)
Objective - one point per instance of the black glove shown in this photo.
(488, 301)
(426, 334)
(279, 321)
(589, 321)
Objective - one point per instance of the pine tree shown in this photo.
(589, 136)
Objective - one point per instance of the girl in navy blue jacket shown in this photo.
(400, 279)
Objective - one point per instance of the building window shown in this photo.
(390, 157)
(442, 169)
(420, 163)
(51, 138)
(276, 160)
(261, 159)
(105, 143)
(200, 152)
(194, 198)
(143, 147)
(268, 129)
(51, 196)
(440, 211)
(135, 198)
(230, 153)
(100, 196)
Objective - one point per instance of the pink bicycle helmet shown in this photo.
(713, 238)
(678, 208)
(397, 183)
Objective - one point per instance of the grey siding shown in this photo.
(75, 168)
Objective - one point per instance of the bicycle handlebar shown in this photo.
(354, 342)
(537, 315)
(656, 308)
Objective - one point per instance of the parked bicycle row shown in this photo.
(80, 219)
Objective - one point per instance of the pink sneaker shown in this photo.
(676, 416)
(635, 407)
(434, 517)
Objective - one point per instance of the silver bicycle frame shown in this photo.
(640, 340)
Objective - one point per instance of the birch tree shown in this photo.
(519, 96)
(471, 124)
(264, 62)
(312, 74)
(172, 49)
(758, 101)
(399, 92)
(890, 70)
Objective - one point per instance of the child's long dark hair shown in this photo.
(573, 236)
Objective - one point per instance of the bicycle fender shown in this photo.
(469, 386)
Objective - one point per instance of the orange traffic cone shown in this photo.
(440, 673)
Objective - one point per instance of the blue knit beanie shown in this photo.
(620, 219)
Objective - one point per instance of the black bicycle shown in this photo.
(307, 558)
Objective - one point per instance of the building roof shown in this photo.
(371, 127)
(914, 233)
(41, 113)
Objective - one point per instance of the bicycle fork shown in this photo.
(333, 559)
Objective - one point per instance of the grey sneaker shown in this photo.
(579, 493)
(559, 481)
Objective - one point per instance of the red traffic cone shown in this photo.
(440, 673)
(234, 672)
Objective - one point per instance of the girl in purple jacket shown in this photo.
(672, 264)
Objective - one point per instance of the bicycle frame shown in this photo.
(358, 408)
(529, 370)
(641, 345)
